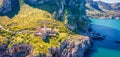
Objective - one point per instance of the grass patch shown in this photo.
(27, 20)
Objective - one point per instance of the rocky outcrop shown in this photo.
(99, 9)
(72, 12)
(20, 50)
(93, 4)
(103, 5)
(5, 6)
(73, 47)
(9, 8)
(76, 47)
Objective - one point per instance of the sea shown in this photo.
(108, 47)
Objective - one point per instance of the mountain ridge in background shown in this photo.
(100, 9)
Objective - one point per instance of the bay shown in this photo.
(107, 47)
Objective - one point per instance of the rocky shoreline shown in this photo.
(75, 46)
(103, 17)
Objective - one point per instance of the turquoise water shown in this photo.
(115, 24)
(111, 30)
(104, 52)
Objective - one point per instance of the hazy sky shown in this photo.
(109, 1)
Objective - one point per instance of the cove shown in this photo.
(107, 47)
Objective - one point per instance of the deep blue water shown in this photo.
(107, 47)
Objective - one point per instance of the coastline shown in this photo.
(110, 44)
(75, 46)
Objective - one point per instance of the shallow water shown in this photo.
(104, 52)
(111, 30)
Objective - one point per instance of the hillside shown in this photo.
(19, 26)
(99, 9)
(28, 20)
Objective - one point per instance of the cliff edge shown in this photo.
(75, 46)
(68, 17)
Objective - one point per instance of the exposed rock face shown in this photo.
(99, 9)
(5, 6)
(93, 4)
(116, 6)
(103, 5)
(21, 50)
(107, 6)
(72, 12)
(9, 8)
(74, 47)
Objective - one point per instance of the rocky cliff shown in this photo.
(9, 8)
(99, 9)
(76, 47)
(72, 12)
(72, 47)
(103, 5)
(5, 6)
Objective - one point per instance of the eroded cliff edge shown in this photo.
(75, 46)
(73, 14)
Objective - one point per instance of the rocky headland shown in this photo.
(75, 46)
(71, 12)
(72, 47)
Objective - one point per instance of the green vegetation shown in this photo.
(26, 21)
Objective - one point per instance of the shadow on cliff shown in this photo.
(47, 6)
(15, 8)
